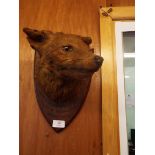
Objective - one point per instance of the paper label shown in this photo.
(58, 124)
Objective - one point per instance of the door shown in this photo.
(125, 62)
(114, 129)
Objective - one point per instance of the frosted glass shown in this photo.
(129, 76)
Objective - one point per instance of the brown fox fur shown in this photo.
(64, 65)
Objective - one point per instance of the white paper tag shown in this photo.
(58, 124)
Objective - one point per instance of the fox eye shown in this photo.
(67, 48)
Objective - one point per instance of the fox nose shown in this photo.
(98, 60)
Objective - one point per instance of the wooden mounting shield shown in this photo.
(65, 111)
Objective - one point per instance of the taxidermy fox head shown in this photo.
(63, 67)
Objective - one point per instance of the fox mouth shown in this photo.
(81, 70)
(84, 70)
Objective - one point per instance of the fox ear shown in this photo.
(87, 40)
(35, 37)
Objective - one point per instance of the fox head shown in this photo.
(66, 55)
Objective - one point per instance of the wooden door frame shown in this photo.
(110, 119)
